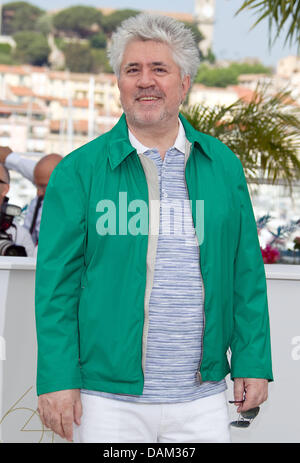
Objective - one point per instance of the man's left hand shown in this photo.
(253, 390)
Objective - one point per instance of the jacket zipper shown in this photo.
(198, 374)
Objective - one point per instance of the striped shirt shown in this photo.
(176, 317)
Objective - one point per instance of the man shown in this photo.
(19, 235)
(134, 322)
(38, 172)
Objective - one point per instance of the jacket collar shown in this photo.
(120, 146)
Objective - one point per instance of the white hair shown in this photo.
(158, 28)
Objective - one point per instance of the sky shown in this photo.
(232, 40)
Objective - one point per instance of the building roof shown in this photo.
(8, 107)
(206, 88)
(245, 94)
(60, 75)
(77, 76)
(81, 103)
(78, 126)
(21, 90)
(252, 77)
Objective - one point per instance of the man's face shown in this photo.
(151, 87)
(4, 187)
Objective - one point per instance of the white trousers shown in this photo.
(109, 420)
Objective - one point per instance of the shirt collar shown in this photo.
(179, 142)
(119, 146)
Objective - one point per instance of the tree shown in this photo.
(113, 20)
(6, 59)
(263, 133)
(215, 77)
(279, 13)
(78, 57)
(44, 24)
(19, 16)
(100, 61)
(195, 31)
(98, 40)
(224, 76)
(78, 20)
(32, 47)
(210, 57)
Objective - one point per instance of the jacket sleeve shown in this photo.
(60, 261)
(250, 343)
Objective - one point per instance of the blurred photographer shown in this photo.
(39, 174)
(15, 240)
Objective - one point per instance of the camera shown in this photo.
(7, 246)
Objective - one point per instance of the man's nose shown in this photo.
(145, 79)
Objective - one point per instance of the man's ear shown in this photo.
(186, 83)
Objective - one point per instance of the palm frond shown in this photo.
(280, 13)
(264, 133)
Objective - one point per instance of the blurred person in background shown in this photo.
(10, 230)
(38, 172)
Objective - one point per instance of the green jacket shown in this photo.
(92, 289)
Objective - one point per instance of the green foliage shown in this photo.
(222, 77)
(6, 59)
(19, 16)
(113, 20)
(82, 58)
(98, 40)
(78, 57)
(60, 43)
(210, 57)
(280, 14)
(263, 133)
(5, 48)
(44, 24)
(215, 77)
(100, 61)
(32, 47)
(195, 31)
(78, 20)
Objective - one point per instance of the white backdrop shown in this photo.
(278, 420)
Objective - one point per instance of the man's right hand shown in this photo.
(58, 410)
(4, 152)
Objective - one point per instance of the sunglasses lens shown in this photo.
(250, 414)
(240, 424)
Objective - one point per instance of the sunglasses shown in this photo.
(245, 418)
